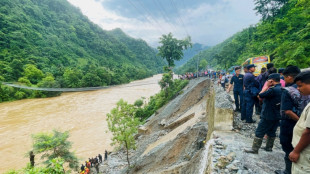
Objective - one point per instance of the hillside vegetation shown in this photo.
(48, 43)
(190, 52)
(283, 34)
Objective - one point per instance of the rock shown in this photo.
(232, 167)
(231, 156)
(222, 162)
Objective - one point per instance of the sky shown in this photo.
(208, 22)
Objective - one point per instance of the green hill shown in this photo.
(284, 36)
(50, 43)
(189, 53)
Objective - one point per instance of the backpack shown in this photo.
(300, 101)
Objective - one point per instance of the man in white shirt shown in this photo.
(300, 156)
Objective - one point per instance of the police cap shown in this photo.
(274, 76)
(251, 66)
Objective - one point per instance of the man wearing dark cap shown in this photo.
(270, 116)
(289, 109)
(250, 93)
(263, 76)
(237, 80)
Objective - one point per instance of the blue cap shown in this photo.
(281, 70)
(250, 66)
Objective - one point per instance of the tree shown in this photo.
(32, 73)
(48, 82)
(203, 64)
(166, 82)
(55, 166)
(54, 145)
(123, 125)
(171, 48)
(268, 8)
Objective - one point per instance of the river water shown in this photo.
(81, 113)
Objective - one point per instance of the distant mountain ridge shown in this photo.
(190, 53)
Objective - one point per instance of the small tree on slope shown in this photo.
(123, 125)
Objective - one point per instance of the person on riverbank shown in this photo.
(300, 156)
(97, 166)
(237, 80)
(31, 156)
(105, 155)
(82, 167)
(100, 158)
(270, 116)
(289, 111)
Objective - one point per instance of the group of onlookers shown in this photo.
(206, 73)
(93, 162)
(281, 98)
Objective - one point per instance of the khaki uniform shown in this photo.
(303, 164)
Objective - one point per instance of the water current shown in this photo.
(81, 113)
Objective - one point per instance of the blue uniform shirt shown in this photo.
(238, 82)
(271, 104)
(249, 81)
(287, 102)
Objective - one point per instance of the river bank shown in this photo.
(82, 113)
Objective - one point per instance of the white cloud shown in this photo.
(208, 24)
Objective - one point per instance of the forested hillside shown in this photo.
(50, 43)
(190, 52)
(283, 34)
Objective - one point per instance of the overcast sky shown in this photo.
(208, 22)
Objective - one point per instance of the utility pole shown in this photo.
(198, 60)
(197, 65)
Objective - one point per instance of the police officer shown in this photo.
(289, 107)
(250, 92)
(237, 80)
(270, 116)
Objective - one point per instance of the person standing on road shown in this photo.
(223, 80)
(250, 93)
(270, 117)
(237, 80)
(300, 156)
(289, 110)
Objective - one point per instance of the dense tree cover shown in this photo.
(285, 37)
(52, 41)
(171, 48)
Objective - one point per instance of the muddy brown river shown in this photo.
(81, 113)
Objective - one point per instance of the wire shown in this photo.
(162, 11)
(179, 16)
(160, 32)
(149, 13)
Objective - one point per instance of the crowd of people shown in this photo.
(206, 73)
(281, 98)
(93, 163)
